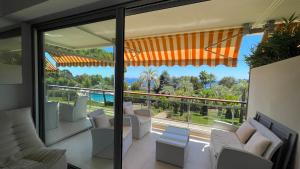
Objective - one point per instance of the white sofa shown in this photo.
(20, 146)
(140, 119)
(103, 137)
(227, 151)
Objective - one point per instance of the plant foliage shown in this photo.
(283, 44)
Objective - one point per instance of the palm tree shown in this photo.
(148, 75)
(211, 79)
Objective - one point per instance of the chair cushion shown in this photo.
(128, 108)
(245, 131)
(257, 144)
(276, 142)
(143, 119)
(101, 121)
(221, 138)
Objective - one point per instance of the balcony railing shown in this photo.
(186, 111)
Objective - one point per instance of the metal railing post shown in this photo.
(189, 113)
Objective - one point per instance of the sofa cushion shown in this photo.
(221, 138)
(25, 164)
(101, 121)
(47, 157)
(276, 142)
(245, 131)
(9, 149)
(24, 130)
(257, 144)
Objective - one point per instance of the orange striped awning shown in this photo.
(210, 48)
(64, 59)
(49, 66)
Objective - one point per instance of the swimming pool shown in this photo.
(99, 97)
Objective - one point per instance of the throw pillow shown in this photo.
(101, 121)
(257, 144)
(244, 132)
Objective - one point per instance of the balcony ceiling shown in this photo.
(214, 14)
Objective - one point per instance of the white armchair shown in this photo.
(140, 119)
(103, 135)
(71, 113)
(20, 146)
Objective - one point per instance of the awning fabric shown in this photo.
(197, 48)
(49, 66)
(63, 59)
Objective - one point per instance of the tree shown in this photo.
(195, 82)
(167, 90)
(211, 79)
(135, 85)
(148, 75)
(227, 81)
(164, 79)
(204, 78)
(125, 86)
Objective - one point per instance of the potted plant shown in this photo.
(284, 43)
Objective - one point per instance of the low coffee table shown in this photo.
(171, 146)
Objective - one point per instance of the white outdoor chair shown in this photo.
(51, 115)
(103, 136)
(71, 113)
(140, 119)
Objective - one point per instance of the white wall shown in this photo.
(275, 91)
(10, 74)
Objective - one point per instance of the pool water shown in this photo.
(99, 97)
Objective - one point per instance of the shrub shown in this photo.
(283, 44)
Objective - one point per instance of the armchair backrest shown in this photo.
(80, 107)
(18, 134)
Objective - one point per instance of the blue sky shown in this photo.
(239, 72)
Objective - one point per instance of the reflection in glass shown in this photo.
(79, 93)
(10, 60)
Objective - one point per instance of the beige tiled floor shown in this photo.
(141, 154)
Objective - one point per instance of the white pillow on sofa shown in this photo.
(257, 144)
(276, 142)
(244, 132)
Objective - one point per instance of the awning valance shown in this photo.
(49, 66)
(64, 59)
(197, 48)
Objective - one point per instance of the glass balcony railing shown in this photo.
(198, 114)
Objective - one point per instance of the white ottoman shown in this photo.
(171, 146)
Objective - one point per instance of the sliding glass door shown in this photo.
(77, 82)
